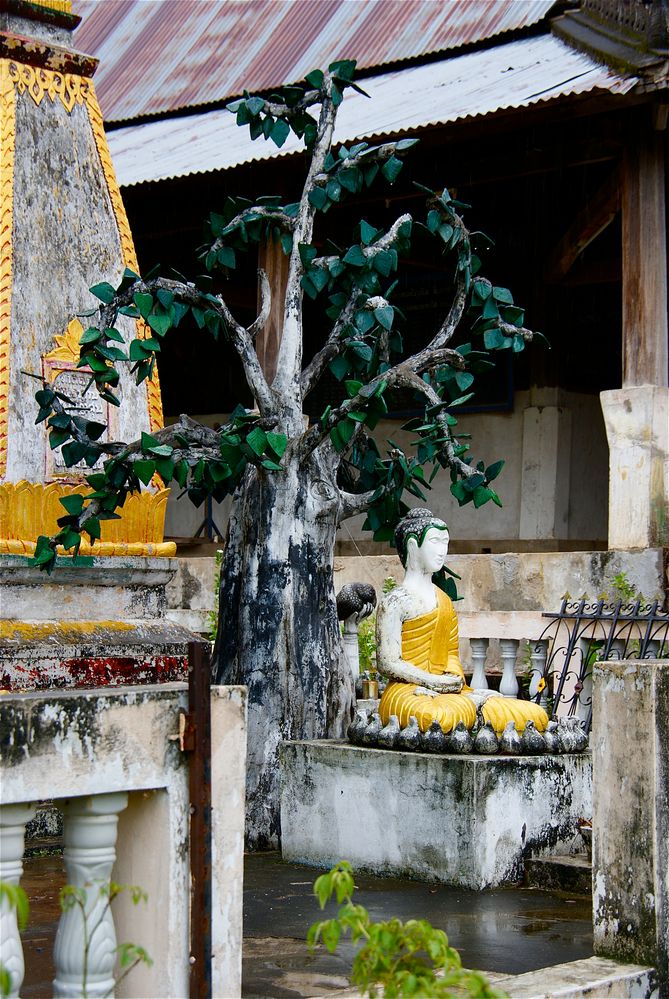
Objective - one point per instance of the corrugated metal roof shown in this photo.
(513, 75)
(158, 56)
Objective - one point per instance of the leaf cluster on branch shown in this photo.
(354, 284)
(401, 959)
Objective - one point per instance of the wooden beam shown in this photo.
(644, 236)
(274, 262)
(592, 220)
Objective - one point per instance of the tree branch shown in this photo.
(240, 337)
(274, 215)
(403, 375)
(333, 345)
(289, 364)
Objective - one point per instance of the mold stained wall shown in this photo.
(495, 435)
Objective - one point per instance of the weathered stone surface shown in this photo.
(630, 850)
(591, 978)
(80, 743)
(570, 874)
(467, 821)
(97, 622)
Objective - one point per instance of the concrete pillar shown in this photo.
(544, 510)
(630, 856)
(637, 428)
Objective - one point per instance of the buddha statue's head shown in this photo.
(421, 540)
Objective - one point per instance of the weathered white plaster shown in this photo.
(64, 227)
(590, 978)
(495, 435)
(637, 425)
(467, 821)
(93, 589)
(630, 843)
(545, 485)
(86, 743)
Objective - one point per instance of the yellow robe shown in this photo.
(431, 643)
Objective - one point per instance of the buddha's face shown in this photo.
(431, 555)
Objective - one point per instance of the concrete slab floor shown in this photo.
(508, 931)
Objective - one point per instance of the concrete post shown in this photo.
(637, 428)
(630, 856)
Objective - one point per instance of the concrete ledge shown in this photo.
(592, 978)
(467, 821)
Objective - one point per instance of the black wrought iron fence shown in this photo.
(582, 633)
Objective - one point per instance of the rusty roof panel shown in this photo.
(514, 75)
(159, 56)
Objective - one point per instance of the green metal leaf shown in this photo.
(104, 292)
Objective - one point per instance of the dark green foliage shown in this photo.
(355, 285)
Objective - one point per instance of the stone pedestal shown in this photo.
(630, 854)
(468, 821)
(97, 622)
(637, 427)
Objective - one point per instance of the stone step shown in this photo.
(590, 978)
(572, 873)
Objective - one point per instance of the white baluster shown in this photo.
(13, 820)
(508, 685)
(85, 948)
(479, 650)
(538, 653)
(351, 646)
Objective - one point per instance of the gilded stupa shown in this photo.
(63, 227)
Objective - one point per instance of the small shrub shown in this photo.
(402, 959)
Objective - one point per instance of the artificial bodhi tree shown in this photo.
(293, 482)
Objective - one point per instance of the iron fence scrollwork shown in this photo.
(583, 632)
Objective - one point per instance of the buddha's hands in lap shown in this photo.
(446, 684)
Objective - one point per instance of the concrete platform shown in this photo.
(468, 821)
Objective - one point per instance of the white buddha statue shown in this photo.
(417, 644)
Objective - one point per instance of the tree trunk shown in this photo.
(278, 631)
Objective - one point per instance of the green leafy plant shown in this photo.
(212, 615)
(129, 954)
(367, 646)
(400, 959)
(14, 897)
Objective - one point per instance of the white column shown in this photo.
(85, 947)
(538, 653)
(508, 685)
(544, 508)
(13, 820)
(637, 428)
(351, 646)
(479, 650)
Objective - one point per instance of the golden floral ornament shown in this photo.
(38, 82)
(67, 344)
(28, 509)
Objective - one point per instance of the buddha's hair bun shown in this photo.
(415, 524)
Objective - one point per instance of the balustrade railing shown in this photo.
(560, 660)
(113, 761)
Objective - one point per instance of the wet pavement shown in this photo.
(509, 931)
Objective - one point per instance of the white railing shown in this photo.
(111, 760)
